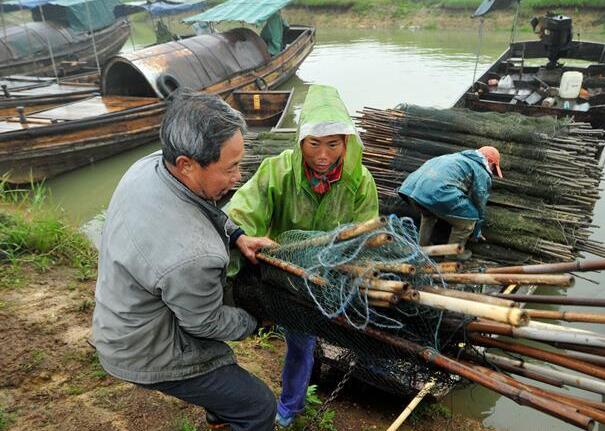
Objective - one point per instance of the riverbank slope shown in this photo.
(431, 16)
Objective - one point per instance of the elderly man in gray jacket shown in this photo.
(159, 319)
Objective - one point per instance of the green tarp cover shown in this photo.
(273, 33)
(250, 11)
(75, 14)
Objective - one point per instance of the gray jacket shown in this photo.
(159, 312)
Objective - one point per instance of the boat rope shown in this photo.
(29, 40)
(478, 49)
(92, 34)
(50, 45)
(513, 32)
(2, 17)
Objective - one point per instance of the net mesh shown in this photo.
(329, 290)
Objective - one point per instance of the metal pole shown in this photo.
(478, 49)
(513, 32)
(29, 41)
(50, 46)
(2, 16)
(92, 34)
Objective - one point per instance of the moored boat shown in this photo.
(134, 85)
(64, 37)
(574, 87)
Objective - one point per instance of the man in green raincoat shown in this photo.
(318, 185)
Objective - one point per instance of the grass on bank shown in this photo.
(388, 6)
(31, 234)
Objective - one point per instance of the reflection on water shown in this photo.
(370, 68)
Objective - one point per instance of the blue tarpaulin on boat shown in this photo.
(250, 11)
(161, 8)
(78, 15)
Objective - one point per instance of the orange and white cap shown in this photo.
(492, 155)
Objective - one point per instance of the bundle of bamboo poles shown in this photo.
(489, 322)
(542, 209)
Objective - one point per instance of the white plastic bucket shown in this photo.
(571, 84)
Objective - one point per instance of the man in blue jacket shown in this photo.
(455, 188)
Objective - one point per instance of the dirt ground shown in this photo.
(50, 378)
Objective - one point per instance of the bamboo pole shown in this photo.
(548, 268)
(543, 355)
(576, 381)
(385, 285)
(477, 297)
(521, 397)
(358, 271)
(554, 299)
(567, 316)
(442, 267)
(401, 268)
(535, 333)
(500, 279)
(377, 295)
(344, 235)
(292, 269)
(378, 303)
(566, 401)
(443, 250)
(426, 389)
(379, 240)
(513, 316)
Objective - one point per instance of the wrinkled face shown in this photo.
(321, 152)
(214, 181)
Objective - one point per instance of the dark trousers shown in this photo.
(231, 394)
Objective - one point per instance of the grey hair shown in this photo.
(197, 125)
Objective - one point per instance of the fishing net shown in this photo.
(328, 285)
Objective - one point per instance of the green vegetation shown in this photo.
(376, 7)
(323, 420)
(34, 360)
(5, 419)
(32, 234)
(265, 336)
(428, 410)
(185, 425)
(386, 7)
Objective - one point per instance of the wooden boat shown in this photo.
(130, 110)
(63, 138)
(34, 94)
(261, 108)
(24, 49)
(534, 89)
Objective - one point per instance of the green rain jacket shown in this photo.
(279, 197)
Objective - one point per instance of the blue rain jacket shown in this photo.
(454, 185)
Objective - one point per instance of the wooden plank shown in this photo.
(93, 107)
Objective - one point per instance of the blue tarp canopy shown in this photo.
(161, 8)
(250, 11)
(74, 14)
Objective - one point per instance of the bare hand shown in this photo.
(249, 245)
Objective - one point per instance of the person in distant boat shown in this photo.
(159, 319)
(455, 188)
(316, 186)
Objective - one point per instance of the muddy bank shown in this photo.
(50, 378)
(434, 18)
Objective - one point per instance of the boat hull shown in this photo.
(44, 151)
(481, 97)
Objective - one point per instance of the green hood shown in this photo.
(279, 197)
(324, 114)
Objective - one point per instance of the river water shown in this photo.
(370, 68)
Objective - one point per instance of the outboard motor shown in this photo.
(555, 33)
